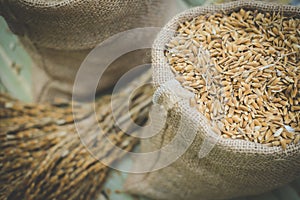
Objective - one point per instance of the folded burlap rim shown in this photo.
(162, 74)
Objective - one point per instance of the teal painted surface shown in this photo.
(15, 65)
(193, 3)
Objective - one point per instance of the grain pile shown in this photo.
(215, 167)
(244, 68)
(42, 156)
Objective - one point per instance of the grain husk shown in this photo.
(42, 155)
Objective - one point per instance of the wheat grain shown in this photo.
(244, 69)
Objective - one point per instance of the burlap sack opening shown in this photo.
(233, 168)
(58, 34)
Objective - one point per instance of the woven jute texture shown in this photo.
(233, 168)
(59, 35)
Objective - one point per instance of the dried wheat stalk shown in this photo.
(244, 68)
(42, 156)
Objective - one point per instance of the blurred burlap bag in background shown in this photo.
(233, 168)
(58, 34)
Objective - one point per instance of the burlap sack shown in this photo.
(233, 168)
(59, 34)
